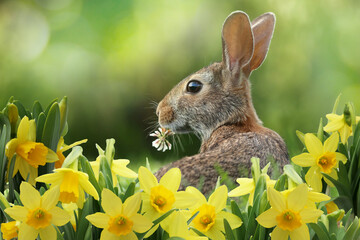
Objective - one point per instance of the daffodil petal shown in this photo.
(11, 147)
(300, 233)
(95, 165)
(279, 234)
(119, 167)
(51, 156)
(27, 232)
(233, 220)
(111, 203)
(313, 144)
(50, 198)
(48, 232)
(313, 178)
(81, 199)
(18, 213)
(218, 198)
(175, 225)
(246, 186)
(276, 199)
(171, 179)
(23, 129)
(331, 144)
(29, 196)
(304, 160)
(98, 219)
(298, 197)
(184, 200)
(106, 235)
(59, 216)
(345, 133)
(340, 157)
(309, 215)
(87, 186)
(130, 236)
(215, 232)
(147, 179)
(332, 174)
(141, 223)
(65, 148)
(50, 178)
(32, 131)
(152, 230)
(196, 194)
(268, 218)
(318, 197)
(132, 204)
(335, 123)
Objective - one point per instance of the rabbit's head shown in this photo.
(220, 93)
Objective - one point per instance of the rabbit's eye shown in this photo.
(194, 86)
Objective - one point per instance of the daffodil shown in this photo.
(71, 208)
(313, 197)
(160, 197)
(39, 213)
(120, 220)
(62, 147)
(211, 214)
(118, 167)
(247, 186)
(337, 123)
(321, 159)
(29, 154)
(72, 185)
(289, 214)
(10, 230)
(176, 226)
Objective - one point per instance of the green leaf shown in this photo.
(86, 167)
(320, 132)
(129, 191)
(320, 232)
(292, 174)
(40, 122)
(255, 168)
(106, 170)
(37, 109)
(51, 132)
(63, 106)
(350, 232)
(21, 109)
(301, 136)
(336, 104)
(4, 138)
(342, 183)
(280, 183)
(228, 231)
(192, 217)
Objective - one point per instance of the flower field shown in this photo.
(50, 190)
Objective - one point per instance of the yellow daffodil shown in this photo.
(10, 230)
(247, 186)
(320, 158)
(72, 185)
(176, 226)
(120, 220)
(62, 147)
(160, 197)
(210, 219)
(71, 208)
(39, 213)
(313, 197)
(289, 214)
(337, 123)
(118, 167)
(29, 154)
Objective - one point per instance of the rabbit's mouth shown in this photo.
(178, 129)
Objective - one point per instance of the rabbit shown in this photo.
(215, 103)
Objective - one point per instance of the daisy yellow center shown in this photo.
(38, 218)
(32, 152)
(327, 162)
(69, 188)
(120, 225)
(9, 230)
(289, 220)
(161, 198)
(205, 218)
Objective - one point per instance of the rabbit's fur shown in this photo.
(222, 112)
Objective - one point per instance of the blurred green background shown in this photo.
(113, 58)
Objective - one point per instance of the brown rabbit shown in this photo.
(215, 102)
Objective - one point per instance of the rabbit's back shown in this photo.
(229, 149)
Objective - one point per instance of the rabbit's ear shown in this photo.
(263, 29)
(237, 41)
